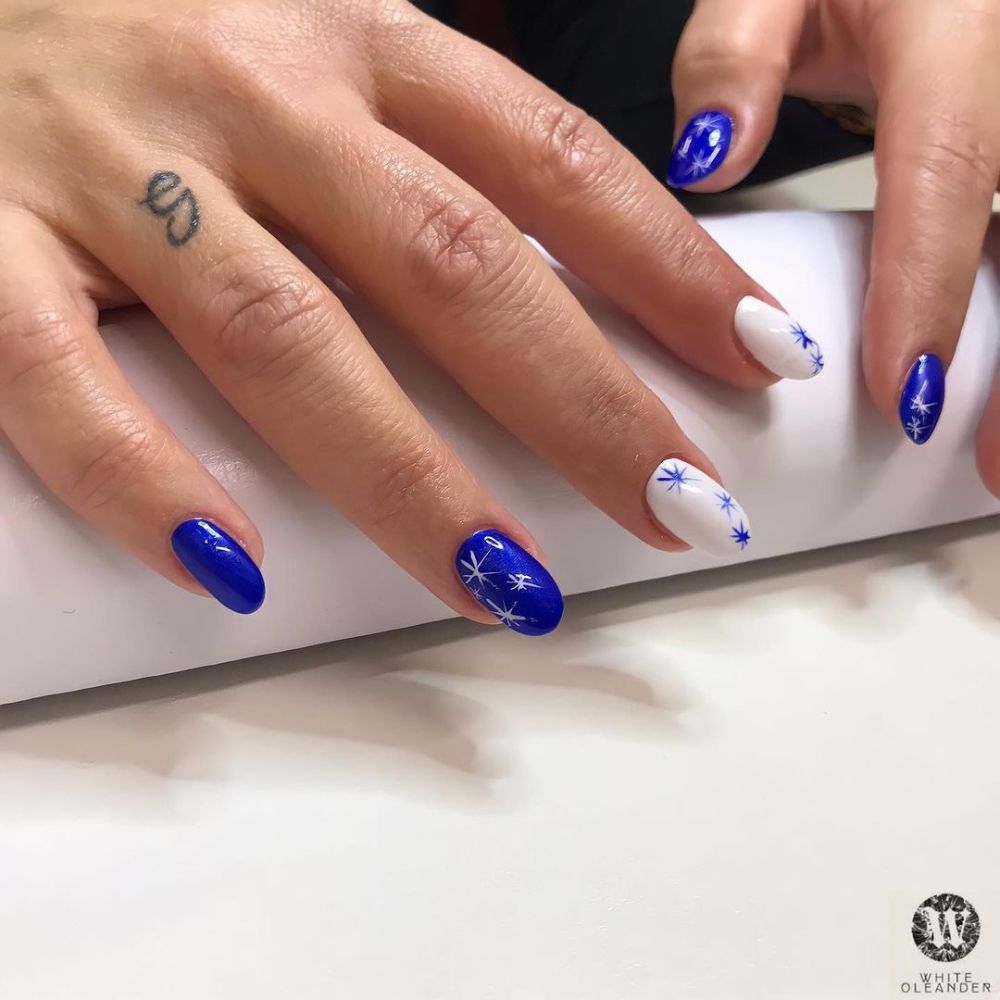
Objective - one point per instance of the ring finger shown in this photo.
(457, 274)
(282, 348)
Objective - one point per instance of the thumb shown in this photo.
(729, 76)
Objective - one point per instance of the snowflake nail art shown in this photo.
(777, 341)
(922, 398)
(509, 582)
(698, 510)
(701, 148)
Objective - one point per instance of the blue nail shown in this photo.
(922, 400)
(509, 583)
(219, 563)
(701, 149)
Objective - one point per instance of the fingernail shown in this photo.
(922, 400)
(220, 564)
(701, 148)
(779, 343)
(509, 582)
(693, 506)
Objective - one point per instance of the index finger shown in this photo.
(937, 153)
(559, 176)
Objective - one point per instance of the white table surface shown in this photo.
(738, 784)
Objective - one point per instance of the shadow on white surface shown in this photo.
(420, 713)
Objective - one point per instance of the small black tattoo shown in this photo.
(181, 210)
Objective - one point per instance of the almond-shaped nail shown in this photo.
(776, 340)
(922, 398)
(693, 506)
(220, 564)
(509, 582)
(701, 148)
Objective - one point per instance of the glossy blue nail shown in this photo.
(922, 400)
(219, 563)
(701, 149)
(509, 583)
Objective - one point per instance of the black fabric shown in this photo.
(613, 58)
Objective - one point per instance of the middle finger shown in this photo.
(449, 267)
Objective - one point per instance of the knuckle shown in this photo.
(612, 402)
(567, 147)
(121, 456)
(460, 247)
(417, 473)
(953, 157)
(265, 320)
(38, 346)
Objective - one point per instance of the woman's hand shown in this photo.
(933, 66)
(149, 149)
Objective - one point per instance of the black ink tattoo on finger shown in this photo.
(167, 199)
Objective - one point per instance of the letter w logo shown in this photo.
(947, 926)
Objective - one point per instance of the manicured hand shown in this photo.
(150, 150)
(933, 67)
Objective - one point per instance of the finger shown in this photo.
(937, 156)
(559, 176)
(282, 348)
(449, 267)
(729, 76)
(988, 443)
(66, 407)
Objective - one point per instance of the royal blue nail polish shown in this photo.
(509, 583)
(922, 399)
(220, 564)
(701, 148)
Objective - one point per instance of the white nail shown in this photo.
(697, 509)
(779, 343)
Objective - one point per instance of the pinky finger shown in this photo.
(69, 412)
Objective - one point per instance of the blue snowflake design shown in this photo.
(677, 476)
(741, 535)
(817, 361)
(726, 503)
(801, 337)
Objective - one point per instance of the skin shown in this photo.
(932, 67)
(412, 160)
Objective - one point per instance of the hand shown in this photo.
(148, 150)
(933, 66)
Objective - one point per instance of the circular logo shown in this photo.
(945, 927)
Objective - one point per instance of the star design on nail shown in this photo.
(521, 581)
(726, 503)
(918, 403)
(677, 476)
(706, 122)
(801, 337)
(476, 575)
(817, 361)
(505, 614)
(915, 428)
(702, 163)
(741, 535)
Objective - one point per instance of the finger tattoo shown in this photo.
(167, 198)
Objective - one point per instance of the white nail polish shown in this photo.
(779, 343)
(697, 509)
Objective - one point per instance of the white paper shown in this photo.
(812, 462)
